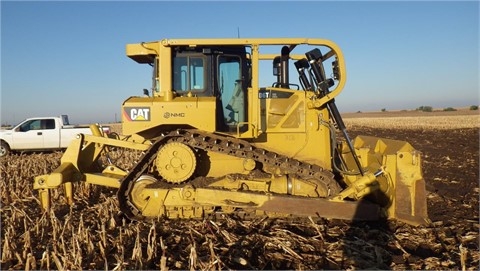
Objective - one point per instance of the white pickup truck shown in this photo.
(40, 134)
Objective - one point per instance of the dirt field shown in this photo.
(411, 113)
(91, 234)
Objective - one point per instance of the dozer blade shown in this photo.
(401, 188)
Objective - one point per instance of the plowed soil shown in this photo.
(451, 172)
(450, 168)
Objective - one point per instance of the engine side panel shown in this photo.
(143, 115)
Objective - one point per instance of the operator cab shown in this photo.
(220, 72)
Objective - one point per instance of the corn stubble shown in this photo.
(92, 235)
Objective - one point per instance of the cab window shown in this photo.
(45, 124)
(189, 74)
(48, 124)
(31, 125)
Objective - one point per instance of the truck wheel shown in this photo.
(4, 149)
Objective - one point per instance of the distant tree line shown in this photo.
(427, 108)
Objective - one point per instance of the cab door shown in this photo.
(232, 92)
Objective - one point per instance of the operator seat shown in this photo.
(237, 104)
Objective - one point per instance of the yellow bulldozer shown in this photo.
(214, 142)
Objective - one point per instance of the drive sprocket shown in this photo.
(176, 162)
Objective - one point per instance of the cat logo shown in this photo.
(136, 113)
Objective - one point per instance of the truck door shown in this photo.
(28, 135)
(51, 134)
(36, 134)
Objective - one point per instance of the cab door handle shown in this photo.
(39, 133)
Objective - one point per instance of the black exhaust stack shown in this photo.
(285, 56)
(280, 68)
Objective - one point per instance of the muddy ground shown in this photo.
(451, 241)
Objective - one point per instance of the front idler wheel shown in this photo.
(137, 196)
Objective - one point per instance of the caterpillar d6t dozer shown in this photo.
(213, 141)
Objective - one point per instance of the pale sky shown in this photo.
(67, 57)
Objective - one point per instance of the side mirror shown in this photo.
(276, 66)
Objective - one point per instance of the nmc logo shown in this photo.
(136, 113)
